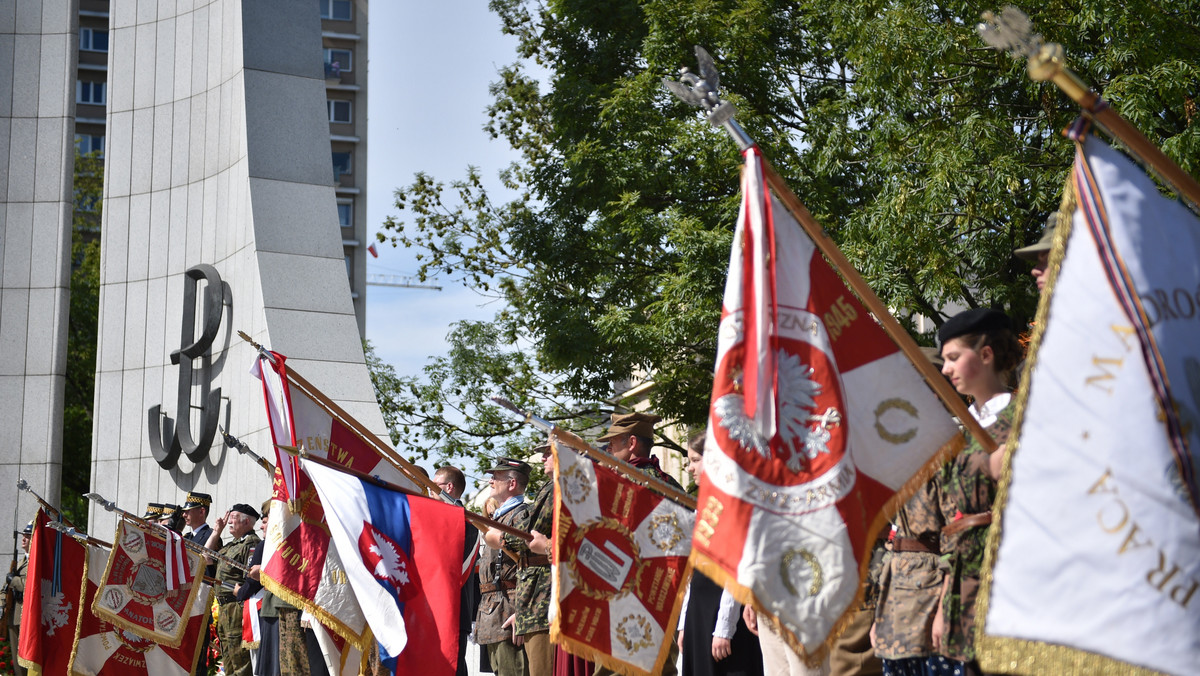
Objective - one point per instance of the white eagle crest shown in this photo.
(389, 566)
(805, 434)
(55, 611)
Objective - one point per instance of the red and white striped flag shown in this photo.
(819, 427)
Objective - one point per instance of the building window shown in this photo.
(339, 111)
(90, 92)
(350, 269)
(88, 143)
(93, 40)
(339, 60)
(338, 10)
(346, 214)
(341, 165)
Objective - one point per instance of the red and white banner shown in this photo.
(819, 427)
(299, 563)
(54, 595)
(619, 560)
(251, 626)
(135, 592)
(104, 649)
(1096, 548)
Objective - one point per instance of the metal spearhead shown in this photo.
(704, 92)
(1010, 32)
(22, 485)
(99, 499)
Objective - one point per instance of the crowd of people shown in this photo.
(918, 612)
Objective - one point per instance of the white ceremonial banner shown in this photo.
(1097, 544)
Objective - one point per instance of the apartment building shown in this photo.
(344, 49)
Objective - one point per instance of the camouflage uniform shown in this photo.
(533, 580)
(293, 653)
(911, 583)
(649, 465)
(967, 489)
(498, 589)
(234, 656)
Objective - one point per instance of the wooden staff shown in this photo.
(383, 450)
(477, 520)
(1011, 31)
(24, 486)
(569, 439)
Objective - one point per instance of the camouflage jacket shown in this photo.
(239, 550)
(967, 489)
(496, 568)
(650, 466)
(911, 583)
(533, 582)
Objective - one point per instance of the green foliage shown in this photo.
(926, 155)
(82, 337)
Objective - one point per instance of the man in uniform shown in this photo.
(1039, 253)
(16, 585)
(240, 518)
(195, 517)
(630, 438)
(532, 622)
(498, 572)
(453, 482)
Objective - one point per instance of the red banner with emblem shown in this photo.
(619, 557)
(149, 584)
(299, 563)
(105, 649)
(819, 426)
(53, 598)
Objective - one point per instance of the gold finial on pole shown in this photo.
(1012, 31)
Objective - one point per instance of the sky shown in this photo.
(429, 70)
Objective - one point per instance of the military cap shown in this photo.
(195, 500)
(1030, 253)
(245, 509)
(509, 465)
(27, 530)
(153, 510)
(978, 320)
(637, 424)
(266, 506)
(169, 509)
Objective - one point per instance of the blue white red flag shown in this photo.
(402, 556)
(1094, 554)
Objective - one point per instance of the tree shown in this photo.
(82, 337)
(927, 156)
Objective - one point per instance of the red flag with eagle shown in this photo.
(299, 565)
(619, 561)
(150, 584)
(53, 599)
(819, 428)
(403, 556)
(104, 649)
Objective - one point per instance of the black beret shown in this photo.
(245, 509)
(978, 320)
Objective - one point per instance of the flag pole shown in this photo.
(630, 472)
(703, 92)
(1011, 31)
(24, 486)
(241, 447)
(477, 520)
(383, 450)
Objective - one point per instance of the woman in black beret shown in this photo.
(980, 350)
